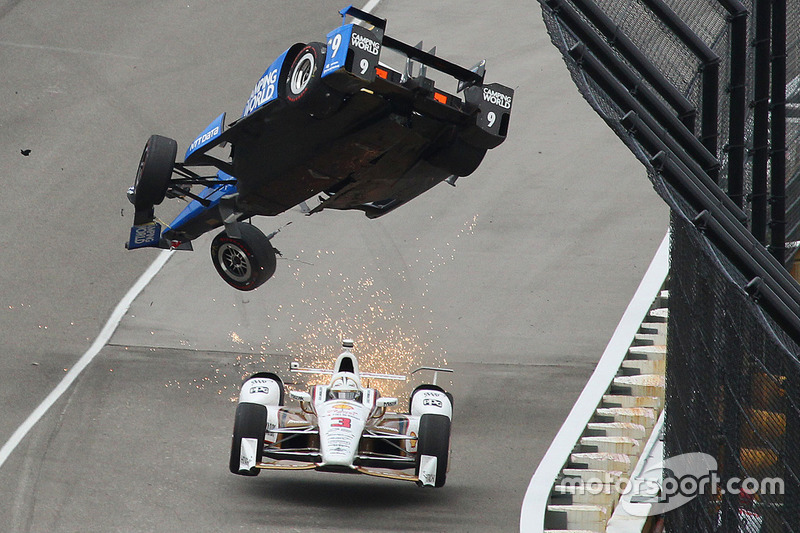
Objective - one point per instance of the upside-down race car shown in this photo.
(342, 427)
(329, 121)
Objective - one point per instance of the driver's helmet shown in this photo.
(344, 388)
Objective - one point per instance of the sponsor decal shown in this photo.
(340, 422)
(247, 453)
(365, 43)
(432, 402)
(497, 98)
(204, 138)
(320, 391)
(340, 439)
(342, 406)
(427, 469)
(211, 132)
(265, 90)
(340, 443)
(144, 235)
(259, 389)
(336, 54)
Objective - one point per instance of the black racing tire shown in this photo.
(155, 172)
(434, 439)
(244, 262)
(250, 423)
(304, 88)
(458, 157)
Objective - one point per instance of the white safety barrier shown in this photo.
(558, 454)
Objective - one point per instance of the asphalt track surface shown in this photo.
(516, 278)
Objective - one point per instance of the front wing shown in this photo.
(280, 455)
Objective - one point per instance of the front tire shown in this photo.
(245, 262)
(250, 423)
(434, 441)
(154, 173)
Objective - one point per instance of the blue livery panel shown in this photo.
(336, 55)
(266, 90)
(212, 194)
(146, 235)
(362, 46)
(211, 132)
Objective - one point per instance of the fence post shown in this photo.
(760, 105)
(737, 99)
(778, 133)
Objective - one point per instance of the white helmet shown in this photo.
(344, 387)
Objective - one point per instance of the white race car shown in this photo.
(343, 427)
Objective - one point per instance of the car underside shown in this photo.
(327, 123)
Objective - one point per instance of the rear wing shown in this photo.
(466, 77)
(294, 366)
(434, 370)
(489, 104)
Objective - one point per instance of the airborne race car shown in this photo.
(342, 427)
(327, 120)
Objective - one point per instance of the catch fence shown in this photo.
(706, 97)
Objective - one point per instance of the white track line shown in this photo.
(535, 501)
(78, 51)
(369, 6)
(83, 362)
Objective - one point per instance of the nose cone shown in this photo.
(341, 424)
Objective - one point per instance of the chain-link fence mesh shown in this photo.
(709, 21)
(793, 121)
(733, 377)
(731, 393)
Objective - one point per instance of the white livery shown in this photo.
(343, 427)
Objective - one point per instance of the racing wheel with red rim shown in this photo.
(246, 261)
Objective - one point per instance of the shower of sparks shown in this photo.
(388, 336)
(386, 340)
(217, 380)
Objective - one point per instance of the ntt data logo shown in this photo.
(672, 483)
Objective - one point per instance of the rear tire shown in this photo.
(155, 172)
(250, 423)
(304, 87)
(246, 262)
(434, 440)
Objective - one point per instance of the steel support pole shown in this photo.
(760, 104)
(737, 98)
(778, 133)
(709, 121)
(709, 75)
